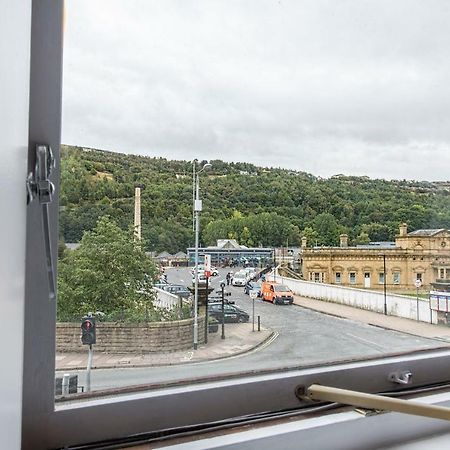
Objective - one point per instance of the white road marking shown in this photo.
(359, 338)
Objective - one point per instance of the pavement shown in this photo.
(240, 339)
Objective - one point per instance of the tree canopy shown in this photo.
(108, 273)
(274, 205)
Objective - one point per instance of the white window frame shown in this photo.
(381, 277)
(396, 277)
(338, 277)
(352, 279)
(45, 425)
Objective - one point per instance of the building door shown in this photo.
(367, 279)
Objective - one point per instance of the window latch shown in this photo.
(40, 187)
(401, 377)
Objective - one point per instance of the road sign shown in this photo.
(253, 294)
(417, 283)
(207, 266)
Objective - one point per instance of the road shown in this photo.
(304, 337)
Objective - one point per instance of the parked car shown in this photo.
(178, 289)
(249, 273)
(201, 278)
(239, 279)
(201, 270)
(231, 313)
(253, 286)
(277, 293)
(213, 325)
(218, 299)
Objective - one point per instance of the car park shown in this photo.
(231, 313)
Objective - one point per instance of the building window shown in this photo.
(441, 273)
(317, 277)
(381, 278)
(396, 278)
(419, 276)
(352, 277)
(338, 277)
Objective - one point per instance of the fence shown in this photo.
(396, 305)
(167, 300)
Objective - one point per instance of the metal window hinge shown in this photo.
(41, 188)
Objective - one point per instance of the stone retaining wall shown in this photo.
(132, 338)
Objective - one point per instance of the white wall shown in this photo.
(166, 300)
(15, 32)
(397, 305)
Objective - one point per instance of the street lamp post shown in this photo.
(222, 287)
(197, 210)
(384, 283)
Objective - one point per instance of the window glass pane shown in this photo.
(188, 135)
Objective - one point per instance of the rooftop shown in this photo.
(430, 232)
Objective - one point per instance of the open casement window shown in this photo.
(119, 415)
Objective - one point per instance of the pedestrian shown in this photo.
(228, 278)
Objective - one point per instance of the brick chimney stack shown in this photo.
(137, 213)
(403, 229)
(304, 241)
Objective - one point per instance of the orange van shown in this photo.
(277, 293)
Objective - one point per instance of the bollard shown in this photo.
(259, 323)
(65, 384)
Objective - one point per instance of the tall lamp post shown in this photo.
(197, 210)
(384, 283)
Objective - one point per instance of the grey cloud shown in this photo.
(322, 86)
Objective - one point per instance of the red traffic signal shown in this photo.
(88, 335)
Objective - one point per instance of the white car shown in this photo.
(201, 278)
(249, 273)
(239, 279)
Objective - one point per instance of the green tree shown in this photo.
(108, 272)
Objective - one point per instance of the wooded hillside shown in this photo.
(256, 205)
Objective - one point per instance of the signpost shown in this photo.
(253, 295)
(88, 337)
(222, 287)
(207, 266)
(418, 284)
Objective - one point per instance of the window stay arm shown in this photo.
(371, 401)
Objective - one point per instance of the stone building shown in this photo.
(419, 255)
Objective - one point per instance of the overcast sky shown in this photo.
(327, 87)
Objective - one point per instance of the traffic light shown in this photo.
(88, 330)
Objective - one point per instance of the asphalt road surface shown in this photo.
(303, 337)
